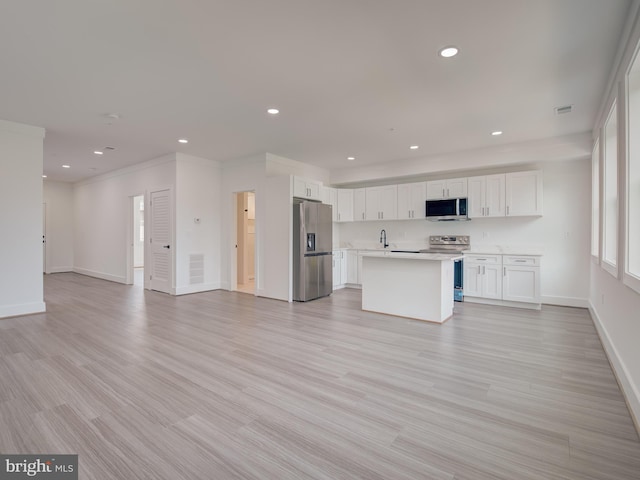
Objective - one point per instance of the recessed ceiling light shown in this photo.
(98, 152)
(448, 52)
(351, 158)
(414, 147)
(183, 140)
(496, 133)
(273, 111)
(44, 176)
(66, 166)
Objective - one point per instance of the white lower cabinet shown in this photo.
(502, 279)
(353, 276)
(521, 279)
(483, 276)
(339, 268)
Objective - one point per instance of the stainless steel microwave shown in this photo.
(450, 209)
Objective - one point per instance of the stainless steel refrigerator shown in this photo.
(312, 256)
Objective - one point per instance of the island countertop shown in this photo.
(413, 256)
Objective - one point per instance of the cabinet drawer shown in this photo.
(521, 260)
(484, 259)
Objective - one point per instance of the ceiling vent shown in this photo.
(564, 109)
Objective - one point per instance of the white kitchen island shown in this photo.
(412, 285)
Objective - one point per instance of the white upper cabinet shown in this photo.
(411, 200)
(450, 188)
(382, 203)
(524, 193)
(486, 196)
(329, 196)
(359, 204)
(344, 210)
(307, 189)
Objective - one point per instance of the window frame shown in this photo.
(596, 166)
(629, 278)
(606, 264)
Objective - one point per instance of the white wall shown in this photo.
(615, 306)
(21, 288)
(58, 197)
(198, 195)
(102, 212)
(562, 233)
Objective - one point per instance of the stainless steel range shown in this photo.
(448, 244)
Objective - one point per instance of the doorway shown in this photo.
(246, 242)
(137, 242)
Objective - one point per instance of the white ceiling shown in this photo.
(351, 77)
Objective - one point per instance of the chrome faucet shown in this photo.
(383, 238)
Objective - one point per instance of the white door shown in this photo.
(160, 241)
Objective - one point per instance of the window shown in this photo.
(595, 200)
(632, 270)
(610, 193)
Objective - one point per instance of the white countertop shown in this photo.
(532, 250)
(413, 256)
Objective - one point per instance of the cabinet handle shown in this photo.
(483, 211)
(507, 209)
(443, 193)
(338, 216)
(481, 259)
(519, 261)
(409, 211)
(362, 215)
(479, 270)
(487, 211)
(504, 271)
(484, 270)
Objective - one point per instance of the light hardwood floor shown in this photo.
(222, 385)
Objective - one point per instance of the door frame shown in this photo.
(233, 267)
(130, 230)
(45, 240)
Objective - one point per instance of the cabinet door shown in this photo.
(337, 268)
(475, 198)
(492, 281)
(524, 193)
(456, 188)
(411, 200)
(300, 187)
(388, 198)
(359, 204)
(521, 284)
(314, 190)
(345, 205)
(352, 267)
(472, 280)
(436, 189)
(494, 196)
(372, 204)
(343, 267)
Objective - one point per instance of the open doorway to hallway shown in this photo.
(137, 242)
(246, 241)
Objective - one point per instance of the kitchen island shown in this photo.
(412, 285)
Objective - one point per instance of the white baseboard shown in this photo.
(203, 287)
(60, 270)
(100, 275)
(566, 301)
(630, 391)
(22, 309)
(502, 303)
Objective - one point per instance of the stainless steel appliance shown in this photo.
(449, 244)
(451, 209)
(312, 255)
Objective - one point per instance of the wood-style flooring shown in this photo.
(224, 385)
